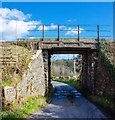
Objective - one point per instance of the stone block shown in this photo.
(10, 94)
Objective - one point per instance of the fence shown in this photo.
(69, 31)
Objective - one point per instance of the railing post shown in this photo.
(42, 32)
(98, 33)
(58, 32)
(78, 32)
(98, 36)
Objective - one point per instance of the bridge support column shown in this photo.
(89, 69)
(46, 60)
(84, 70)
(92, 70)
(95, 58)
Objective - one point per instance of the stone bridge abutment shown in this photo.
(89, 70)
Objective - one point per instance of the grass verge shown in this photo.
(104, 102)
(24, 109)
(72, 82)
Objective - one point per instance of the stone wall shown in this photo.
(47, 63)
(95, 77)
(32, 84)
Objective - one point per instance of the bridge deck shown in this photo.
(65, 47)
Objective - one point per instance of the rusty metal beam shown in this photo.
(42, 32)
(58, 32)
(78, 32)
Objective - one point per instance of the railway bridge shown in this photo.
(89, 50)
(57, 43)
(37, 79)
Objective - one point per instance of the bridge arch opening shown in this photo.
(65, 66)
(88, 71)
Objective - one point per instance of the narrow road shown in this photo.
(68, 103)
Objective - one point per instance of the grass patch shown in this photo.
(72, 82)
(23, 109)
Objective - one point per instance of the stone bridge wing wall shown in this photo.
(32, 84)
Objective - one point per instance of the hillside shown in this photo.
(14, 61)
(108, 48)
(107, 55)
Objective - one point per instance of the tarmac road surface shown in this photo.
(68, 103)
